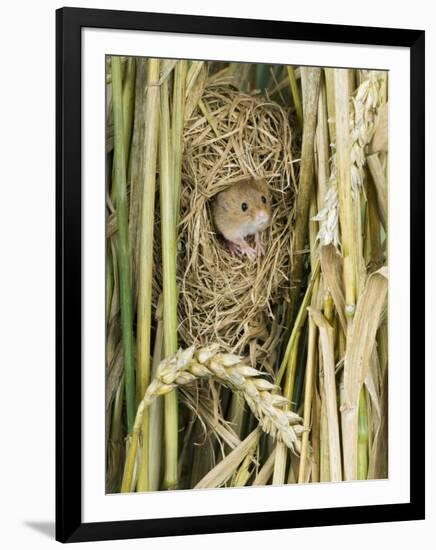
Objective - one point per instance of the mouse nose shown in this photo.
(262, 216)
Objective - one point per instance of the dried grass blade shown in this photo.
(331, 266)
(362, 438)
(227, 467)
(379, 179)
(315, 436)
(193, 72)
(372, 383)
(195, 86)
(379, 141)
(366, 322)
(266, 471)
(243, 474)
(324, 455)
(378, 455)
(215, 423)
(322, 146)
(115, 442)
(331, 109)
(346, 206)
(327, 346)
(359, 348)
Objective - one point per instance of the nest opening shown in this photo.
(235, 301)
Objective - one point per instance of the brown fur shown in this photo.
(229, 218)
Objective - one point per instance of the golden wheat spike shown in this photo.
(188, 365)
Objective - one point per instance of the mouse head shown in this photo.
(247, 203)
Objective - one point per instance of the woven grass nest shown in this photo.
(234, 301)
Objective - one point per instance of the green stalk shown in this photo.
(109, 281)
(178, 119)
(169, 284)
(152, 102)
(295, 95)
(136, 172)
(292, 367)
(308, 395)
(128, 104)
(262, 76)
(299, 322)
(123, 242)
(362, 451)
(113, 328)
(128, 95)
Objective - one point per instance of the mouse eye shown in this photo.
(263, 199)
(244, 206)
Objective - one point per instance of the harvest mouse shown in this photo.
(241, 210)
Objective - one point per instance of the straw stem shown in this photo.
(346, 206)
(178, 119)
(169, 284)
(362, 452)
(295, 95)
(305, 191)
(146, 230)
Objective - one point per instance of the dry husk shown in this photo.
(225, 299)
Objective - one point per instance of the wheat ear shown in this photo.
(364, 106)
(268, 406)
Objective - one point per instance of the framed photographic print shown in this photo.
(240, 318)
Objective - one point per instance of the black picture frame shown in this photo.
(69, 22)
